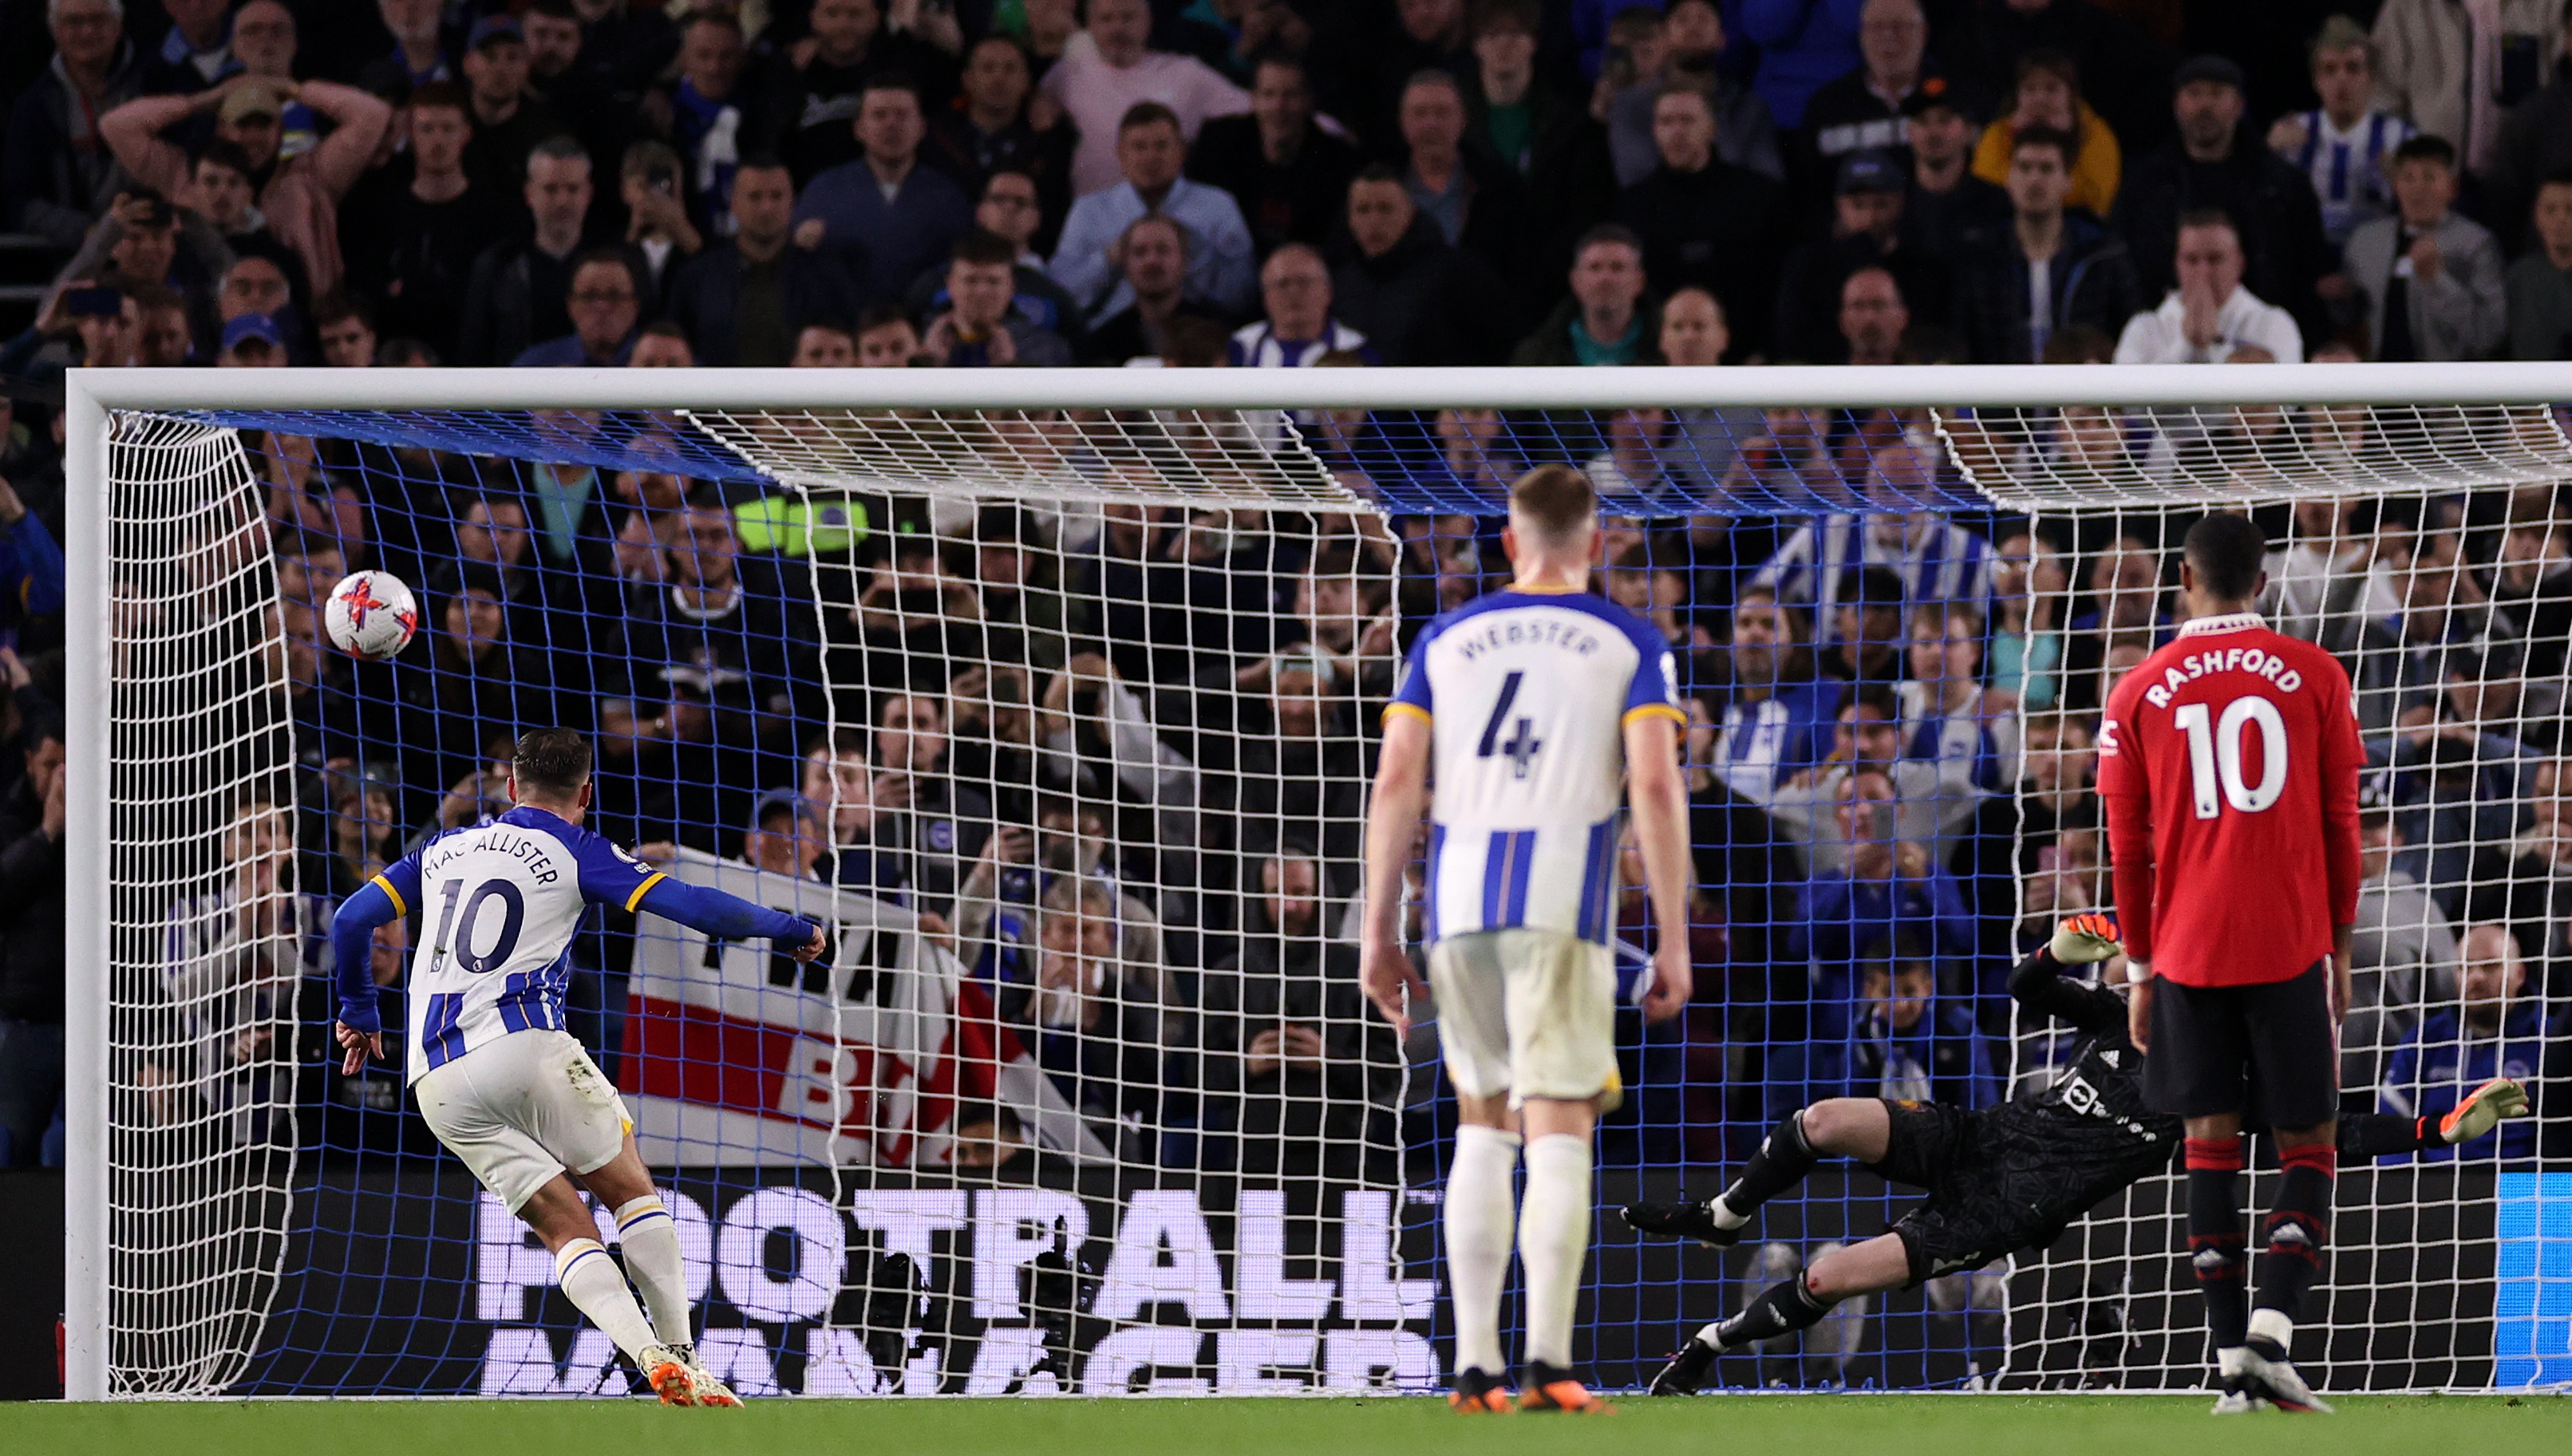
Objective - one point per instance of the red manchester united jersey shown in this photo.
(2229, 763)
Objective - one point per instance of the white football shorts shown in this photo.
(1528, 1012)
(522, 1109)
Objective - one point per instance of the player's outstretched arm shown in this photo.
(728, 917)
(2381, 1135)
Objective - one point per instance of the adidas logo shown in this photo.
(2290, 1232)
(2109, 1057)
(2212, 1258)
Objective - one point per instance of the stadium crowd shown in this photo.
(1117, 756)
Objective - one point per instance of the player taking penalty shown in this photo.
(1539, 707)
(499, 1081)
(2228, 766)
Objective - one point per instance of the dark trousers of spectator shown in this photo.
(31, 1087)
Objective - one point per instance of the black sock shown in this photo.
(1782, 1308)
(2297, 1229)
(2218, 1245)
(1784, 1158)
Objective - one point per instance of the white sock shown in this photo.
(593, 1281)
(651, 1239)
(1723, 1215)
(1553, 1241)
(1479, 1215)
(2274, 1324)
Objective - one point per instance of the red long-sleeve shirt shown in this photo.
(2228, 764)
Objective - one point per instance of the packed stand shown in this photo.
(1114, 758)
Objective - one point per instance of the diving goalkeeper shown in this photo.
(2000, 1180)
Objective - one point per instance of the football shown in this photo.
(370, 616)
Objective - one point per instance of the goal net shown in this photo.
(1055, 696)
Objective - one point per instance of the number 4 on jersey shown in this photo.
(1520, 749)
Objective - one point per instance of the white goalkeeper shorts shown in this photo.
(1528, 1012)
(523, 1109)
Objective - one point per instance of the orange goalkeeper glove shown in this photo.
(2082, 939)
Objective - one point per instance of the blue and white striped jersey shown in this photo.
(1526, 695)
(1937, 561)
(499, 904)
(1982, 747)
(1760, 744)
(2349, 169)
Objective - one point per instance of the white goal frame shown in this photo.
(91, 394)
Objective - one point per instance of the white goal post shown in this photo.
(2457, 429)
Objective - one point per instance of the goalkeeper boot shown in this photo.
(1550, 1387)
(1476, 1392)
(2277, 1382)
(1687, 1370)
(1681, 1221)
(668, 1375)
(2237, 1398)
(2483, 1108)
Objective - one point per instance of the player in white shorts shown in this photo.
(1540, 707)
(499, 1081)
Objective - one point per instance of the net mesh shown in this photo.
(208, 938)
(1064, 720)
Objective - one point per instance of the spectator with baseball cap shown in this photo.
(509, 121)
(1866, 232)
(299, 196)
(252, 341)
(1946, 204)
(2212, 166)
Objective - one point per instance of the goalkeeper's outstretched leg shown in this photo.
(1879, 1263)
(1838, 1127)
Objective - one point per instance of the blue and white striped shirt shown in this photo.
(1526, 695)
(1942, 562)
(2348, 169)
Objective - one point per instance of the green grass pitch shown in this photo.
(1820, 1425)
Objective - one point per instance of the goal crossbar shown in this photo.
(1976, 386)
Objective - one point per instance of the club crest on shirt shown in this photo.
(941, 836)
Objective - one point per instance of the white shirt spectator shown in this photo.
(1221, 267)
(1097, 96)
(1258, 345)
(2159, 337)
(2306, 586)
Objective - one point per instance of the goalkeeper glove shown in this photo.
(2483, 1109)
(2084, 938)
